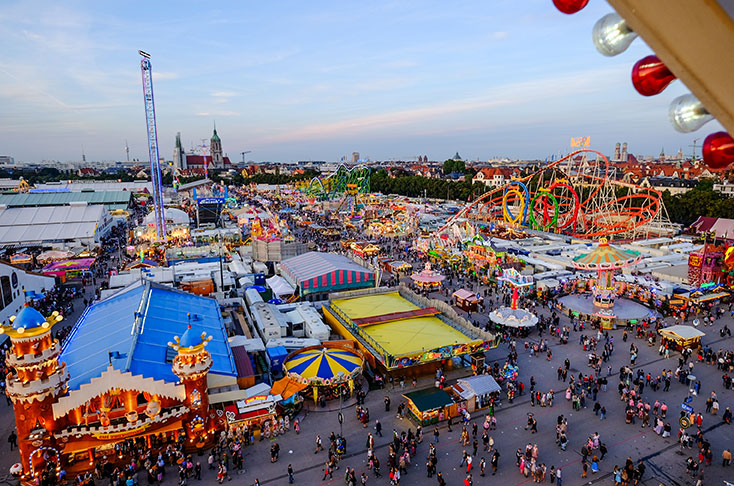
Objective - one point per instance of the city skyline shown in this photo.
(292, 81)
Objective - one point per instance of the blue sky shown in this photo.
(294, 80)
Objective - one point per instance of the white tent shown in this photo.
(280, 286)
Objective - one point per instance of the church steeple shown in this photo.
(215, 148)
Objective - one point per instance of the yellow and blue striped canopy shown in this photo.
(323, 363)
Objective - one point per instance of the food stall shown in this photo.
(476, 391)
(256, 411)
(682, 337)
(466, 300)
(429, 406)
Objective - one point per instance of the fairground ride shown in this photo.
(155, 164)
(576, 196)
(348, 185)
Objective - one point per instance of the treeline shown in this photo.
(418, 186)
(702, 200)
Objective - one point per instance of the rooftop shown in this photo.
(136, 325)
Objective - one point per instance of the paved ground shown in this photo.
(665, 464)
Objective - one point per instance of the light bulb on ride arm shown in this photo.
(570, 6)
(718, 150)
(650, 76)
(612, 35)
(687, 114)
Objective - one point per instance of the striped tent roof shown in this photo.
(606, 256)
(314, 264)
(316, 364)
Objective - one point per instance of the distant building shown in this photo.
(492, 176)
(6, 160)
(617, 153)
(726, 188)
(355, 157)
(216, 160)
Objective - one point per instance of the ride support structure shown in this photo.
(155, 165)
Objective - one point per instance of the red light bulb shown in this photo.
(650, 76)
(570, 6)
(718, 150)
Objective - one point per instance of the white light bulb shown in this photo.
(687, 114)
(611, 35)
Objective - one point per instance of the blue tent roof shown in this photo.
(136, 325)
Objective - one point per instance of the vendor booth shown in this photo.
(466, 300)
(430, 406)
(21, 258)
(478, 391)
(256, 411)
(682, 337)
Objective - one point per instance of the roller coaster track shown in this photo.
(572, 196)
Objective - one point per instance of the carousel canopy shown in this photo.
(506, 316)
(324, 363)
(427, 276)
(606, 256)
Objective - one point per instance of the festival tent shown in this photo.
(280, 286)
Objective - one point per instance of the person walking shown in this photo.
(13, 439)
(378, 428)
(290, 474)
(319, 446)
(482, 466)
(495, 461)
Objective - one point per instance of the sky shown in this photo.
(317, 80)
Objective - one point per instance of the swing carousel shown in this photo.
(327, 371)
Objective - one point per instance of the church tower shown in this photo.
(179, 156)
(35, 383)
(191, 365)
(215, 148)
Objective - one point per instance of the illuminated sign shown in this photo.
(581, 142)
(211, 200)
(122, 434)
(694, 261)
(255, 399)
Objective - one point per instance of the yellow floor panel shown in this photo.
(415, 335)
(407, 336)
(374, 305)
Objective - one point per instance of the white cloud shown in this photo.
(161, 76)
(512, 94)
(223, 94)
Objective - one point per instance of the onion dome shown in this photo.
(30, 322)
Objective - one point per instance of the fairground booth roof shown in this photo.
(316, 272)
(606, 256)
(131, 330)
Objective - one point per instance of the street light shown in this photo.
(340, 417)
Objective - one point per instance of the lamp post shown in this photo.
(340, 417)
